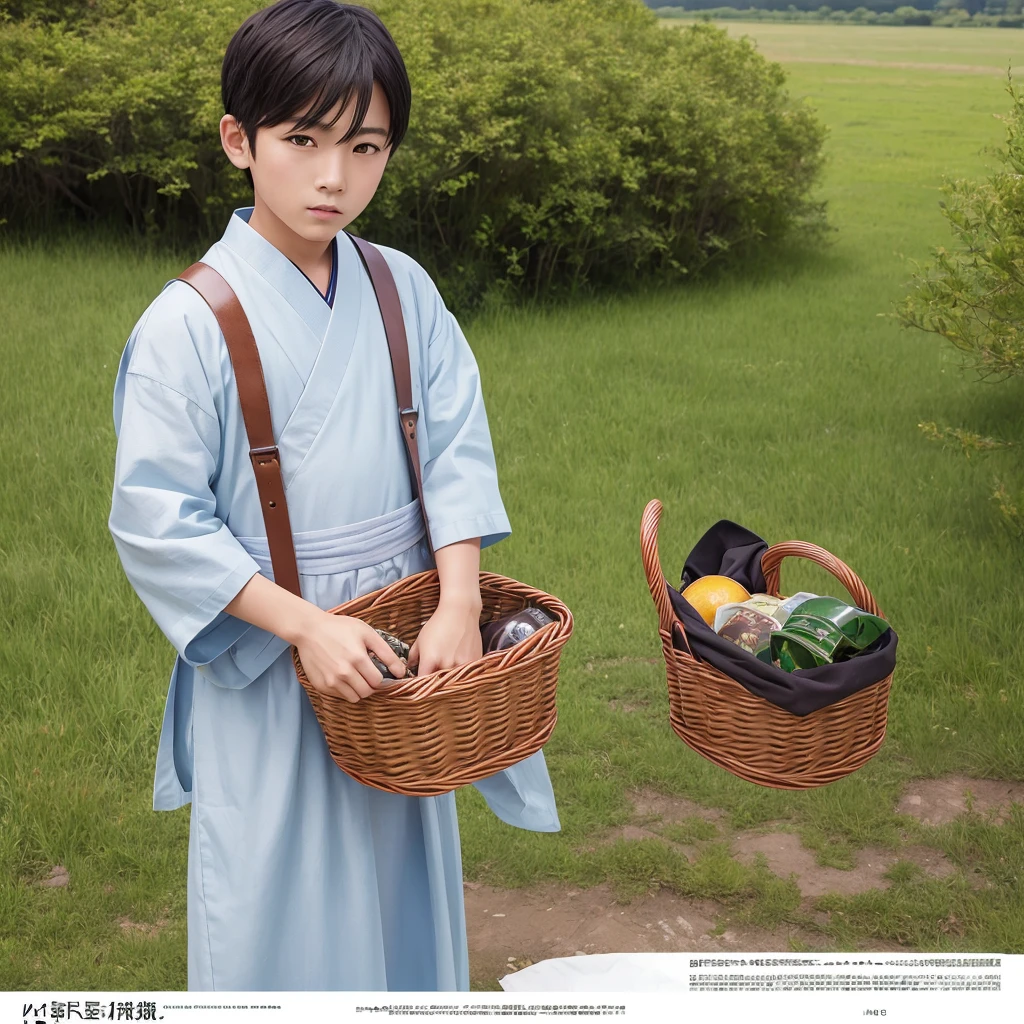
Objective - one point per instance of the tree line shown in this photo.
(988, 9)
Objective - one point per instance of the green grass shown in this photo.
(781, 398)
(976, 48)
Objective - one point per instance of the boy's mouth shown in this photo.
(324, 212)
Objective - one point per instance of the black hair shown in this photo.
(316, 54)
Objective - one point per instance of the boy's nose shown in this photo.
(332, 173)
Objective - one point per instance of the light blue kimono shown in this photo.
(300, 877)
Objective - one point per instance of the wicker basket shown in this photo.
(427, 735)
(746, 734)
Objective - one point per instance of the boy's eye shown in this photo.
(301, 140)
(366, 147)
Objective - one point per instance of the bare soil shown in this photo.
(56, 879)
(786, 856)
(648, 803)
(509, 929)
(143, 930)
(938, 801)
(651, 810)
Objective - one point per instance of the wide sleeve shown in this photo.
(522, 795)
(179, 556)
(460, 480)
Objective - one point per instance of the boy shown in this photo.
(300, 877)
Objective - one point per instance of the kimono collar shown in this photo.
(279, 271)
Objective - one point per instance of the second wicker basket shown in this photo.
(744, 733)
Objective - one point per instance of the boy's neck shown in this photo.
(313, 258)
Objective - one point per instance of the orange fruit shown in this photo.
(709, 593)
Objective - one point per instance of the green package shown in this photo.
(860, 629)
(806, 641)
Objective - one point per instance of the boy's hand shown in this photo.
(450, 637)
(333, 650)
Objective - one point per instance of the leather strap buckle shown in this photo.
(409, 418)
(261, 456)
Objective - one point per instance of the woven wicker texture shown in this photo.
(746, 734)
(428, 735)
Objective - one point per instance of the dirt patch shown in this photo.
(56, 879)
(932, 862)
(507, 928)
(633, 834)
(650, 805)
(147, 931)
(787, 856)
(627, 833)
(628, 706)
(938, 801)
(651, 811)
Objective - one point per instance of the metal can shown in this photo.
(512, 629)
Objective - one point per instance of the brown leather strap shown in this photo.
(394, 328)
(252, 396)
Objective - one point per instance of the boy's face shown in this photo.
(309, 183)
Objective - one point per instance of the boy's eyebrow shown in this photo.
(365, 130)
(382, 132)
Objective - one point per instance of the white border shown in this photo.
(766, 1007)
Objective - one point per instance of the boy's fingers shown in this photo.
(393, 663)
(395, 666)
(355, 689)
(414, 654)
(338, 688)
(382, 651)
(427, 665)
(377, 645)
(370, 675)
(347, 693)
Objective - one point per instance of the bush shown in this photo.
(912, 16)
(70, 12)
(973, 295)
(554, 144)
(118, 116)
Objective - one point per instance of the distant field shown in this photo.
(781, 398)
(973, 50)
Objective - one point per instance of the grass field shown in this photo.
(783, 399)
(974, 50)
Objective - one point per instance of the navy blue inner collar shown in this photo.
(332, 284)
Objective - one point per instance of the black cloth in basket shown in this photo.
(728, 549)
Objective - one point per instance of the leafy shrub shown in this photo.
(619, 151)
(554, 143)
(973, 295)
(70, 12)
(118, 116)
(912, 16)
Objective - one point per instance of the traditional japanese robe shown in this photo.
(299, 877)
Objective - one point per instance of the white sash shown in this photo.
(346, 548)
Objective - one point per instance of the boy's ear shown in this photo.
(234, 142)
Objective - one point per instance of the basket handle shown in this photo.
(667, 619)
(771, 562)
